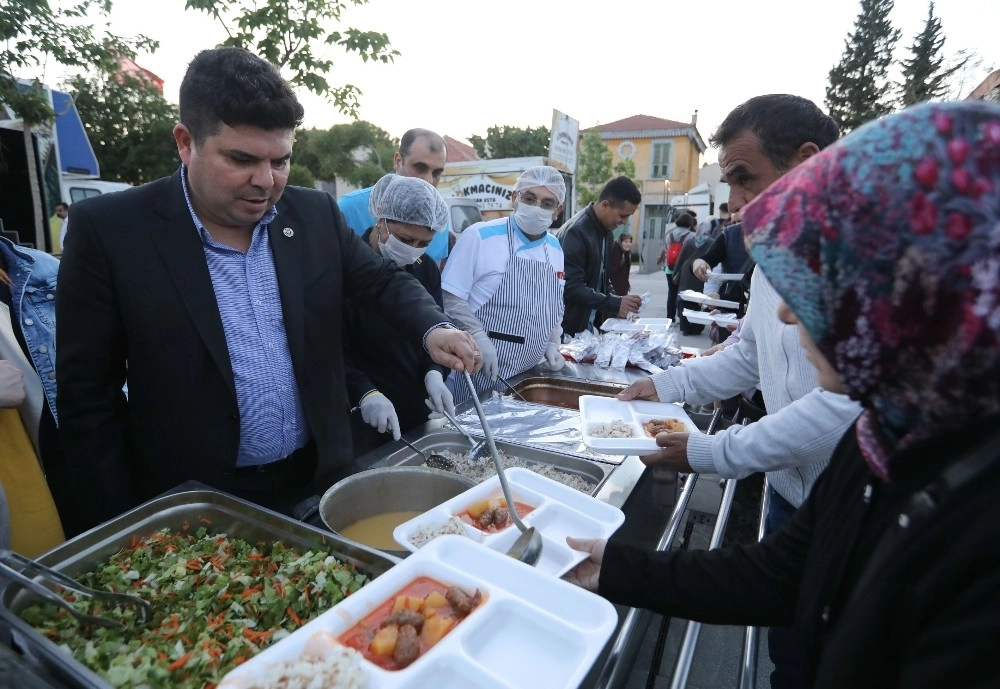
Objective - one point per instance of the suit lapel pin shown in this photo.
(288, 231)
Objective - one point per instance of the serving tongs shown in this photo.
(17, 567)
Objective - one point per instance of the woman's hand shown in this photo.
(588, 573)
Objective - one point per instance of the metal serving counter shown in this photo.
(652, 499)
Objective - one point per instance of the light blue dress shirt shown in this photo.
(272, 419)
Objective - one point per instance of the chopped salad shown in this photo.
(217, 601)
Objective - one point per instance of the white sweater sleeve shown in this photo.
(801, 436)
(717, 377)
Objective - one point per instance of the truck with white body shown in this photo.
(41, 166)
(490, 183)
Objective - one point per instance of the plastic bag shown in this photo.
(642, 306)
(650, 350)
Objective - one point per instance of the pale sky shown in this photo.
(469, 64)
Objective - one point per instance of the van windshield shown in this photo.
(463, 216)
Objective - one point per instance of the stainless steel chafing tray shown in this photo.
(561, 391)
(446, 439)
(217, 512)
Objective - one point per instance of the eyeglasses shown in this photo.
(544, 204)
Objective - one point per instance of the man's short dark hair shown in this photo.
(685, 220)
(620, 190)
(724, 207)
(434, 141)
(232, 86)
(62, 204)
(782, 123)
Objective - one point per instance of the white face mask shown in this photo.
(396, 250)
(532, 220)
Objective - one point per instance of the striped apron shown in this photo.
(519, 318)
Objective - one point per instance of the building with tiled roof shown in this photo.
(667, 155)
(989, 90)
(459, 151)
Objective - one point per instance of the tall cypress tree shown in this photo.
(860, 89)
(924, 76)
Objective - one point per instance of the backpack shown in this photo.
(672, 252)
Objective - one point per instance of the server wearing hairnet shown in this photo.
(387, 375)
(504, 283)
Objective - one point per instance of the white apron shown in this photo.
(518, 319)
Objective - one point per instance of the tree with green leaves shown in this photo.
(593, 168)
(512, 142)
(301, 176)
(129, 124)
(626, 168)
(293, 34)
(33, 34)
(358, 152)
(924, 75)
(860, 89)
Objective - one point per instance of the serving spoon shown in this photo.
(434, 460)
(511, 387)
(528, 546)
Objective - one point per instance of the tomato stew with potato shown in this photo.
(410, 622)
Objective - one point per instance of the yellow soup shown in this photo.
(376, 532)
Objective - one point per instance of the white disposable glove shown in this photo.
(440, 396)
(378, 412)
(553, 359)
(489, 354)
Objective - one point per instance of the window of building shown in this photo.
(661, 155)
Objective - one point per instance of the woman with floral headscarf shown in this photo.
(886, 250)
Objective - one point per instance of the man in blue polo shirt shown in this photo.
(421, 154)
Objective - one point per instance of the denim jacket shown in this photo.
(33, 295)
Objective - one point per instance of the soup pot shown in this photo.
(388, 489)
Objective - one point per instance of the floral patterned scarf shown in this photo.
(887, 247)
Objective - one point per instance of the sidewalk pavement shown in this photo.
(656, 284)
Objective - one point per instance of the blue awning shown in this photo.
(75, 152)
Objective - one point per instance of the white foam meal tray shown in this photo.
(623, 325)
(727, 277)
(531, 630)
(700, 298)
(559, 511)
(706, 318)
(596, 411)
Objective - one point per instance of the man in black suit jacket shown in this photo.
(216, 294)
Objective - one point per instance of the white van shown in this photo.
(76, 189)
(462, 212)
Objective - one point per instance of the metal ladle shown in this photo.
(528, 546)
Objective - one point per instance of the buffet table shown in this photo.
(653, 501)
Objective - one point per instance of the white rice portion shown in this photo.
(482, 469)
(426, 534)
(338, 667)
(615, 429)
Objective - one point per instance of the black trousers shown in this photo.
(783, 642)
(278, 486)
(672, 292)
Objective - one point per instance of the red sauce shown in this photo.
(360, 636)
(522, 510)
